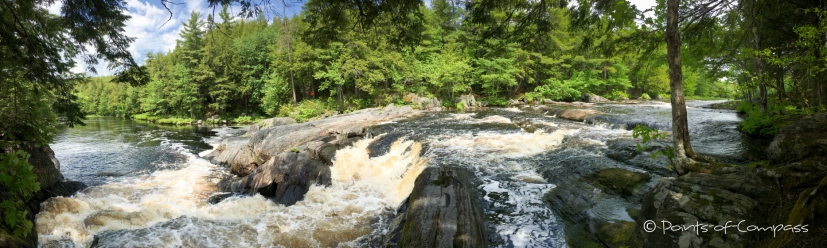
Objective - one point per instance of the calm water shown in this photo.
(109, 148)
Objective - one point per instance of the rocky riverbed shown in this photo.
(550, 175)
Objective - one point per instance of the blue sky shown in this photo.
(154, 33)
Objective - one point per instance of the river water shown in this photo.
(150, 187)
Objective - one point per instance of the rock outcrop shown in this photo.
(287, 177)
(782, 196)
(599, 209)
(421, 102)
(269, 123)
(807, 137)
(47, 169)
(439, 213)
(468, 102)
(593, 98)
(244, 154)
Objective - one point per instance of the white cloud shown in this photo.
(55, 8)
(152, 27)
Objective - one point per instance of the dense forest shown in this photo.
(230, 66)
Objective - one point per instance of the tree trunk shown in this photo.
(680, 127)
(289, 54)
(779, 83)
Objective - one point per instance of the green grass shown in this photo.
(176, 121)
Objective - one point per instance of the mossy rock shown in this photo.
(578, 236)
(621, 181)
(810, 209)
(618, 234)
(8, 240)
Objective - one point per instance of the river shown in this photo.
(149, 187)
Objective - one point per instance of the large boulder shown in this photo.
(727, 195)
(574, 114)
(287, 177)
(46, 166)
(593, 98)
(577, 114)
(244, 154)
(468, 101)
(804, 138)
(422, 102)
(440, 212)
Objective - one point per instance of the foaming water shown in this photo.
(168, 208)
(510, 181)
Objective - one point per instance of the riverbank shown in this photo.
(779, 202)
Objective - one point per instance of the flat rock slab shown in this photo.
(244, 155)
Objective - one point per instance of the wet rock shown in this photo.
(593, 98)
(620, 181)
(593, 217)
(441, 213)
(576, 114)
(244, 154)
(625, 150)
(568, 113)
(217, 198)
(45, 165)
(617, 234)
(804, 138)
(287, 177)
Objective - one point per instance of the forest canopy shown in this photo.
(347, 56)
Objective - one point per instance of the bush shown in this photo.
(461, 106)
(306, 110)
(18, 176)
(618, 95)
(645, 97)
(758, 123)
(243, 120)
(496, 101)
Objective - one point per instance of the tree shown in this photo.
(37, 52)
(680, 127)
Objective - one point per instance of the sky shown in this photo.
(153, 33)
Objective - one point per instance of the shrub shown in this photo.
(175, 121)
(758, 123)
(618, 95)
(305, 111)
(645, 96)
(18, 176)
(243, 120)
(461, 106)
